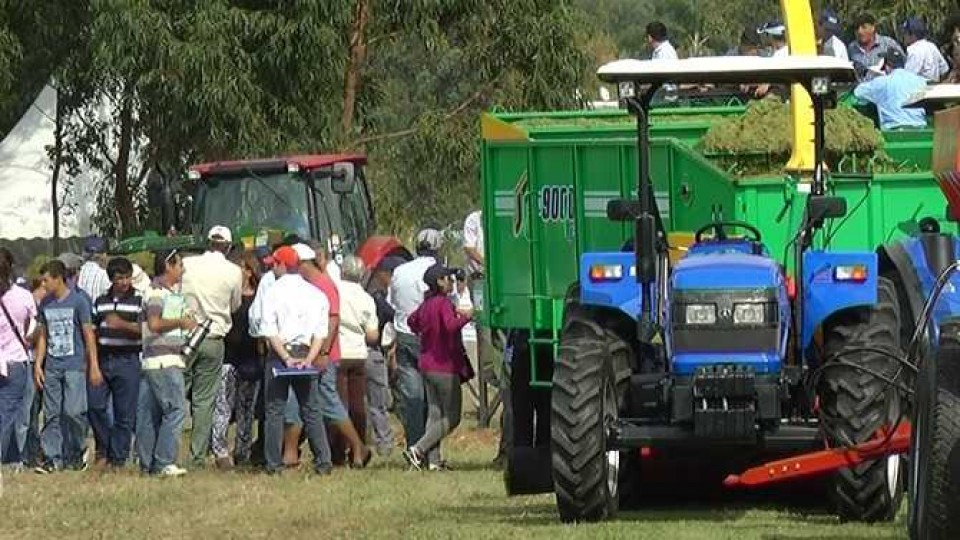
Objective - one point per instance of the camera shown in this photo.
(459, 274)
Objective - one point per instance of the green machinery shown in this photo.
(547, 178)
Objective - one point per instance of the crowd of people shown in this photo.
(889, 72)
(284, 343)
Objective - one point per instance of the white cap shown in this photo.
(219, 232)
(305, 252)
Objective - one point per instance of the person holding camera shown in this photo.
(405, 294)
(443, 362)
(217, 285)
(162, 405)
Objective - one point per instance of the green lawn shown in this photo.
(386, 501)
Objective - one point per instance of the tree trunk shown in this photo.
(55, 177)
(358, 56)
(122, 194)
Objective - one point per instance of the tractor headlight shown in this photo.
(749, 313)
(701, 313)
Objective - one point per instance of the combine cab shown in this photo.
(313, 196)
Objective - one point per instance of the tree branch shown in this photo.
(463, 106)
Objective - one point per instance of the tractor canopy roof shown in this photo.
(729, 69)
(305, 163)
(938, 94)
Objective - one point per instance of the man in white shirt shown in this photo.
(215, 285)
(923, 57)
(661, 49)
(405, 295)
(828, 28)
(294, 322)
(473, 242)
(92, 277)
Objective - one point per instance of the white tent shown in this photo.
(25, 175)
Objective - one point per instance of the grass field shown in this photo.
(386, 501)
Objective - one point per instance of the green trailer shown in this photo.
(547, 179)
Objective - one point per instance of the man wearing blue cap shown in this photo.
(890, 90)
(93, 278)
(828, 30)
(923, 57)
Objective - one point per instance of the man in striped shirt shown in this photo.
(117, 318)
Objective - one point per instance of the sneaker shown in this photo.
(413, 457)
(171, 471)
(323, 470)
(47, 468)
(224, 464)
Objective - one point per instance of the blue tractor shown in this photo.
(721, 359)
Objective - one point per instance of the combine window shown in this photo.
(252, 201)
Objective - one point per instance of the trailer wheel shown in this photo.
(589, 382)
(856, 404)
(935, 448)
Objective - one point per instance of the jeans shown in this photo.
(201, 378)
(276, 390)
(121, 382)
(412, 403)
(161, 410)
(378, 401)
(235, 398)
(445, 398)
(65, 416)
(27, 426)
(11, 401)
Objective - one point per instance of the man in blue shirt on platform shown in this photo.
(890, 90)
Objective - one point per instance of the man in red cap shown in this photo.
(295, 324)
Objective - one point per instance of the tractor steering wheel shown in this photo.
(719, 229)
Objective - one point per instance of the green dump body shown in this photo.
(547, 179)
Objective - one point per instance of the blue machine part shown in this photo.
(948, 305)
(761, 362)
(723, 271)
(726, 270)
(617, 288)
(716, 247)
(825, 292)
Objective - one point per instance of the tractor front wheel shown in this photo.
(856, 404)
(589, 382)
(935, 448)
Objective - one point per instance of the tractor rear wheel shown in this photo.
(935, 448)
(856, 404)
(589, 382)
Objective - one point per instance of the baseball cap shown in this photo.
(71, 260)
(892, 57)
(94, 244)
(220, 233)
(915, 27)
(830, 21)
(304, 252)
(429, 238)
(434, 273)
(284, 255)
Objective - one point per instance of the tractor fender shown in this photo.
(824, 294)
(897, 264)
(618, 293)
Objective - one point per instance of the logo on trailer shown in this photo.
(556, 203)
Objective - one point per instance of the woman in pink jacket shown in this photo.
(443, 363)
